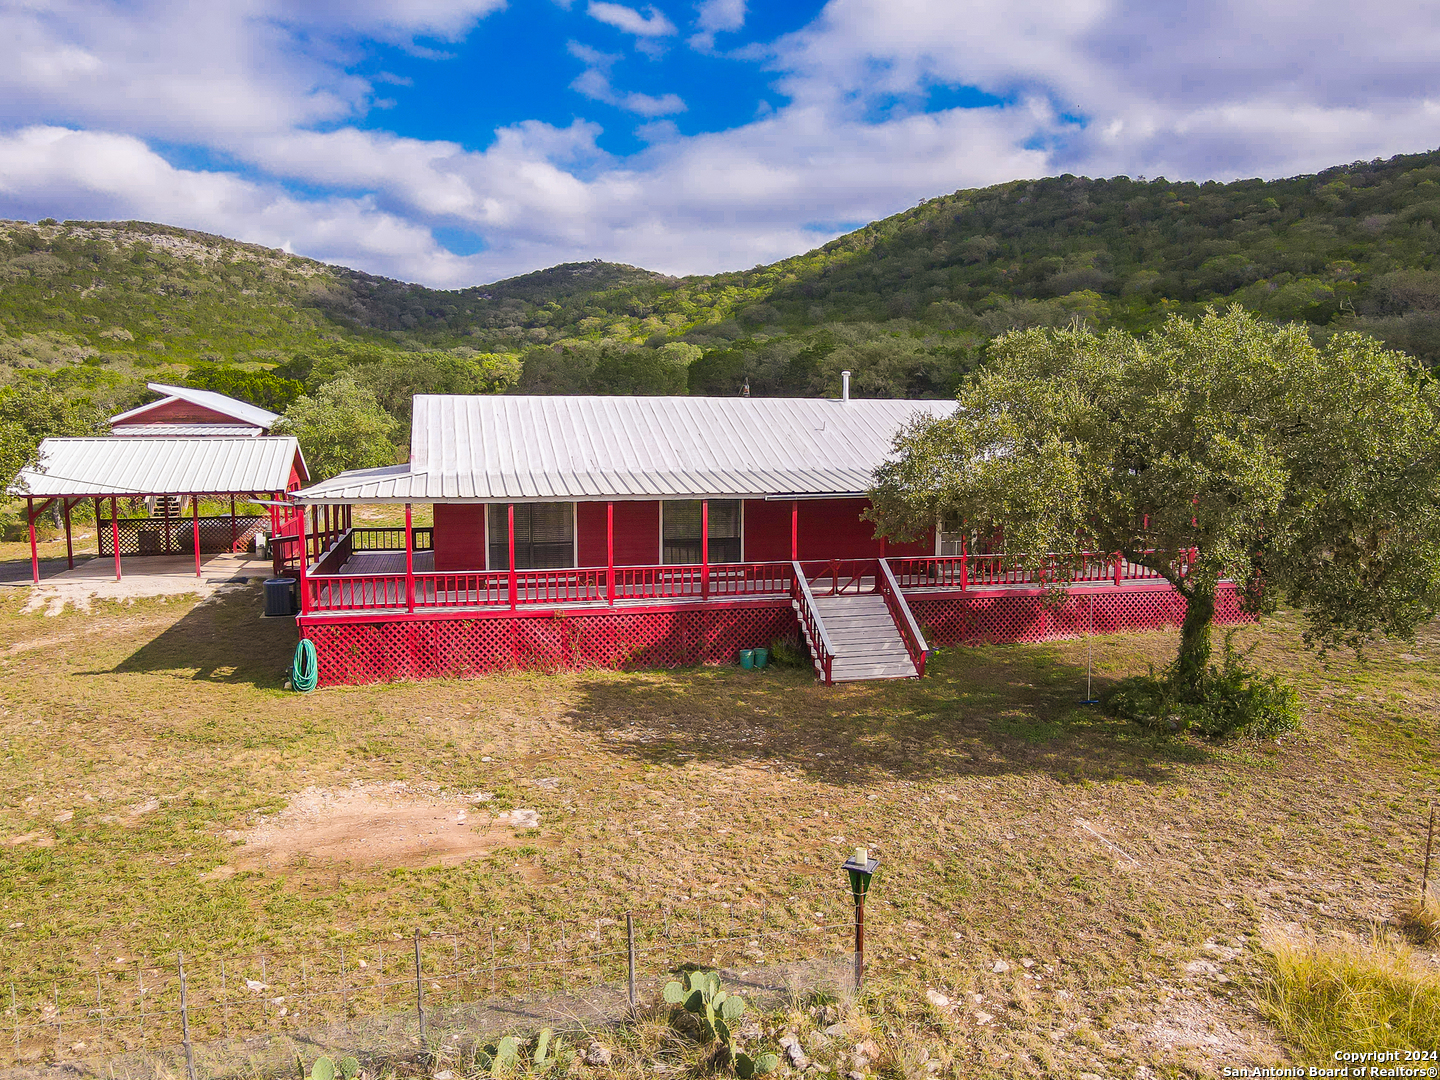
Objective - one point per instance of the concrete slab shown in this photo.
(151, 575)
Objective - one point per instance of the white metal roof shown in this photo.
(100, 466)
(176, 431)
(207, 399)
(548, 448)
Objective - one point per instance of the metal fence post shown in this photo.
(185, 1020)
(630, 943)
(419, 990)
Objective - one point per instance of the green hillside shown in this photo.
(909, 304)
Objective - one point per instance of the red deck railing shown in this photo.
(998, 571)
(329, 591)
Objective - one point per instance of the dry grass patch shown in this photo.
(1351, 995)
(682, 792)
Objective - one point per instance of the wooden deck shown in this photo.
(388, 562)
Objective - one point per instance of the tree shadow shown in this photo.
(988, 711)
(220, 639)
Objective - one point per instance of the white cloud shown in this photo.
(1189, 91)
(94, 175)
(652, 24)
(594, 83)
(714, 16)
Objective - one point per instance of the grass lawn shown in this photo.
(1139, 874)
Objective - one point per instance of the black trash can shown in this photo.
(279, 596)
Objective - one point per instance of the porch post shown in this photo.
(704, 547)
(964, 564)
(610, 552)
(34, 551)
(794, 529)
(115, 531)
(166, 518)
(304, 563)
(314, 528)
(233, 531)
(409, 561)
(69, 544)
(98, 552)
(511, 526)
(195, 529)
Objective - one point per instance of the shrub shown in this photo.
(786, 653)
(1231, 700)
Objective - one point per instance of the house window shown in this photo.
(952, 538)
(544, 536)
(680, 531)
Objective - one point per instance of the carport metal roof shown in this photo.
(105, 467)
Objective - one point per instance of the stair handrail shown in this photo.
(904, 617)
(810, 616)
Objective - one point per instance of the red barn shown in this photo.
(652, 531)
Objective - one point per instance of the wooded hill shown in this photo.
(908, 304)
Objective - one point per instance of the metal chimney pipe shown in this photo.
(844, 386)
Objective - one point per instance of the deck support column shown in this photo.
(115, 530)
(409, 561)
(964, 565)
(34, 551)
(705, 548)
(304, 563)
(794, 529)
(69, 542)
(234, 532)
(166, 517)
(98, 552)
(510, 525)
(195, 529)
(610, 552)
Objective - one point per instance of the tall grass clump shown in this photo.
(1351, 996)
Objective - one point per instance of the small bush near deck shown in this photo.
(787, 654)
(1352, 997)
(1231, 700)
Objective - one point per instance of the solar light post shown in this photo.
(861, 869)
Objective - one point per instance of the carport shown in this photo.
(70, 471)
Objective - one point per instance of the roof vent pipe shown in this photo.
(844, 386)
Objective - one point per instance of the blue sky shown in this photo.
(455, 142)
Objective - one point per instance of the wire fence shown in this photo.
(395, 993)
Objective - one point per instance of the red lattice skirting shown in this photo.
(1023, 616)
(355, 652)
(357, 649)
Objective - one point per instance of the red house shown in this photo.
(635, 531)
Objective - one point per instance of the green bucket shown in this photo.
(747, 659)
(762, 657)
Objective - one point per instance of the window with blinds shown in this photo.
(680, 531)
(544, 536)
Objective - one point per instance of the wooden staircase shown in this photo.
(866, 641)
(859, 625)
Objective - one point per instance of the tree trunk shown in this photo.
(1194, 657)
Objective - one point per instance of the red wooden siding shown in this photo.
(459, 536)
(832, 529)
(829, 529)
(637, 533)
(767, 531)
(181, 412)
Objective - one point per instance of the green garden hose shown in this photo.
(305, 671)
